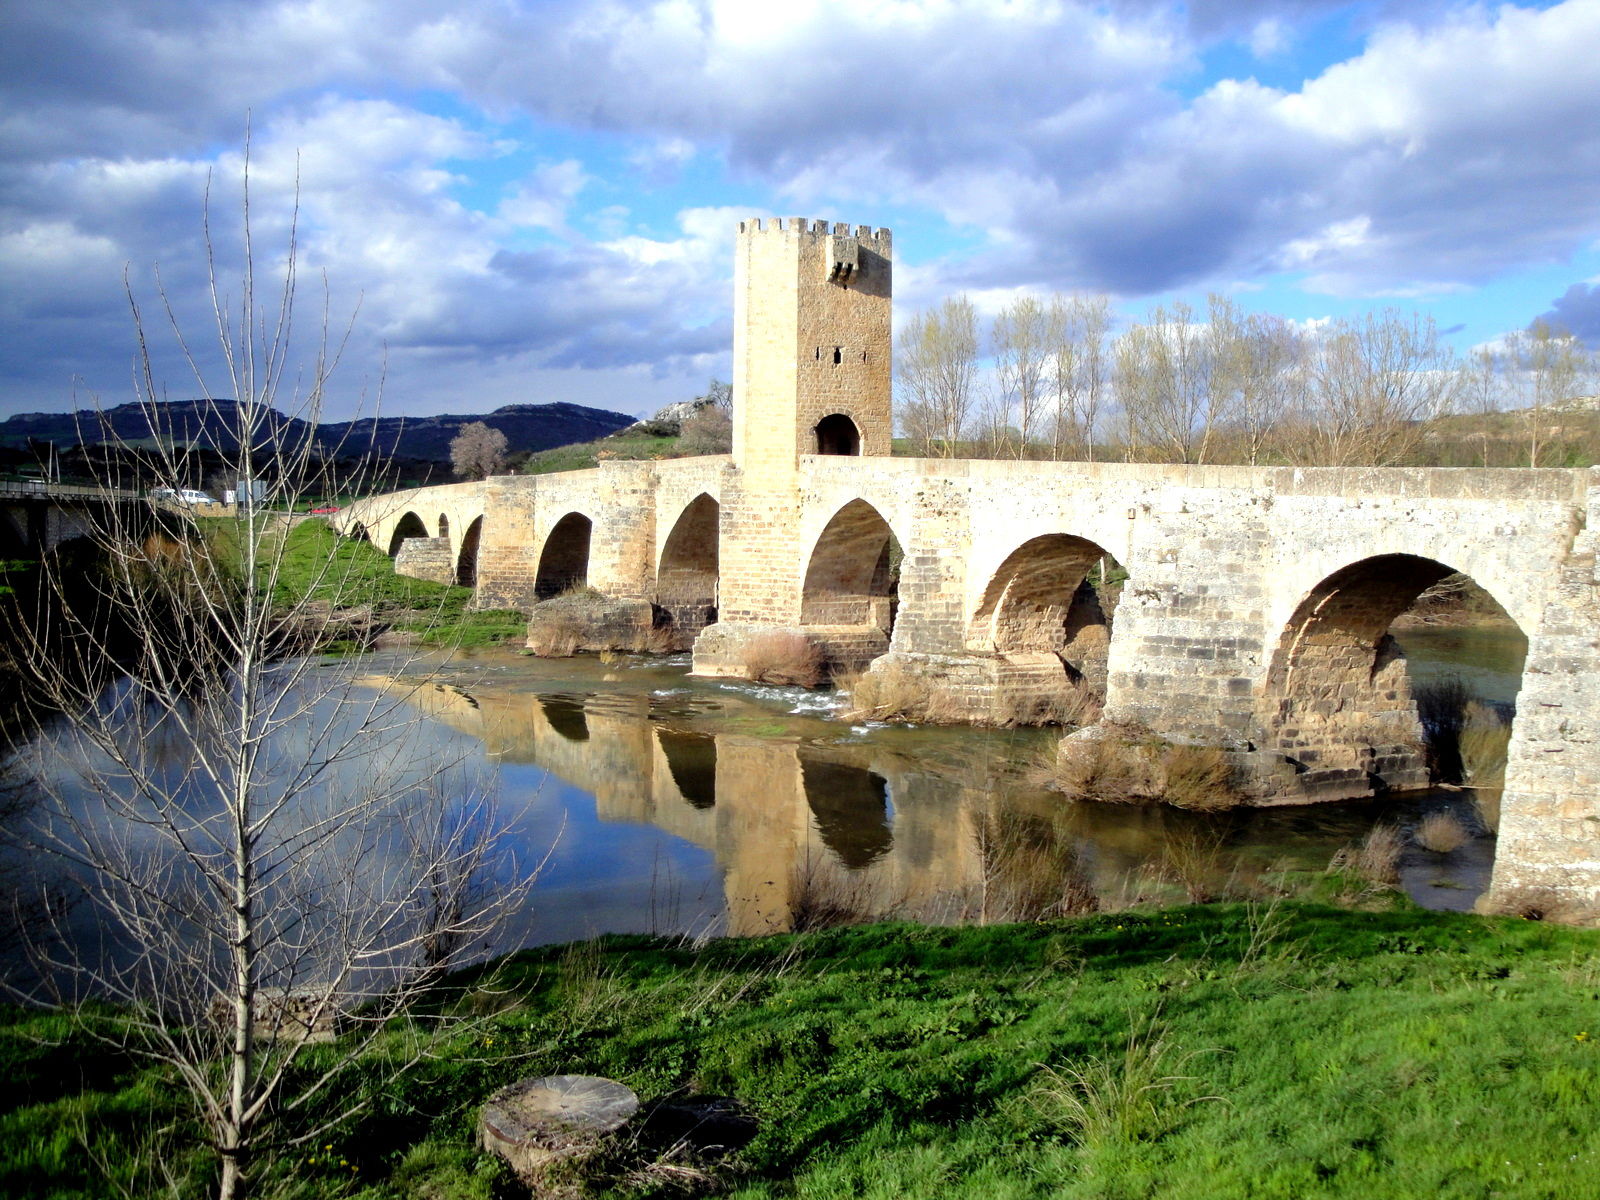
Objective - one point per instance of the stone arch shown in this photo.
(564, 561)
(852, 577)
(688, 578)
(837, 434)
(408, 526)
(444, 525)
(1041, 598)
(467, 559)
(357, 532)
(1337, 699)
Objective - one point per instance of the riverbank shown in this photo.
(1288, 1050)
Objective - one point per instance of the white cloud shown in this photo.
(441, 146)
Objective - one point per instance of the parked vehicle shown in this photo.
(180, 496)
(325, 508)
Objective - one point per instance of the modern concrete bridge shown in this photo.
(1254, 616)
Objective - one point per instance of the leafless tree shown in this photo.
(1163, 381)
(478, 451)
(1539, 369)
(1255, 369)
(1371, 382)
(1023, 341)
(263, 859)
(1081, 368)
(938, 372)
(708, 431)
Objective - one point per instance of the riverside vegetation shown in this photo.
(1283, 1049)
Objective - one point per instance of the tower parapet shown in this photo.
(811, 344)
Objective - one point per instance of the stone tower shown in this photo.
(811, 343)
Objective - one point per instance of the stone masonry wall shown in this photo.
(426, 558)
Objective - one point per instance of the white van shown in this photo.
(180, 496)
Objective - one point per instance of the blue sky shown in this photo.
(533, 201)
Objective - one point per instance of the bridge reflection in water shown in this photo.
(775, 817)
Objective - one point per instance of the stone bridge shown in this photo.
(1254, 612)
(1254, 615)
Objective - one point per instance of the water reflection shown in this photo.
(715, 806)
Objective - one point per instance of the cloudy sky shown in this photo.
(532, 200)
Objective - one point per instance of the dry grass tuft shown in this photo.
(1029, 872)
(1073, 705)
(1376, 861)
(555, 635)
(1441, 833)
(1199, 778)
(1485, 740)
(1131, 766)
(895, 694)
(783, 658)
(825, 895)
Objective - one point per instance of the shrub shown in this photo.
(784, 658)
(1441, 832)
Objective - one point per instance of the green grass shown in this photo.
(1194, 1052)
(358, 574)
(581, 455)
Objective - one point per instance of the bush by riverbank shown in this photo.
(1215, 1051)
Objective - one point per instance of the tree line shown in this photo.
(1056, 378)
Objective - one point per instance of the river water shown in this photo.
(672, 804)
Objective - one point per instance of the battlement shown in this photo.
(879, 241)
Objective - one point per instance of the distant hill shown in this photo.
(529, 427)
(526, 426)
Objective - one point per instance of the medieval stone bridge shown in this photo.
(1254, 614)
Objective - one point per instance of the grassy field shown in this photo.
(1220, 1051)
(318, 565)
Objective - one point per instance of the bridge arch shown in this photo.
(1337, 699)
(1040, 598)
(408, 526)
(688, 575)
(852, 575)
(467, 558)
(564, 560)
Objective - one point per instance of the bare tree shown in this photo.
(1081, 368)
(264, 861)
(1255, 367)
(1023, 341)
(1163, 381)
(478, 451)
(707, 431)
(1371, 383)
(1540, 368)
(938, 371)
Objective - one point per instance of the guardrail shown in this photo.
(43, 489)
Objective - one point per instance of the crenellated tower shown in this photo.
(811, 343)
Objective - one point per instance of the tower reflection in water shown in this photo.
(772, 826)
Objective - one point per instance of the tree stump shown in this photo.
(536, 1122)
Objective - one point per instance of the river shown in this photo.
(674, 804)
